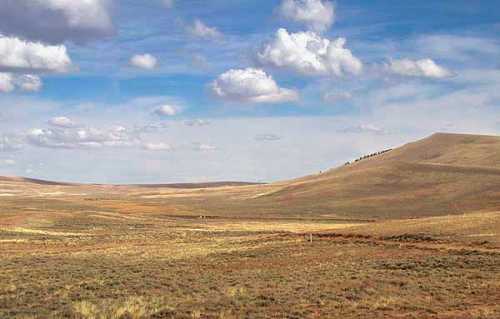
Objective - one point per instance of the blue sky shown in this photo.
(189, 90)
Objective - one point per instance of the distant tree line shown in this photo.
(368, 156)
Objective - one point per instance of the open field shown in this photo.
(107, 265)
(343, 244)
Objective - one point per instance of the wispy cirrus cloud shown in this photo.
(455, 47)
(335, 97)
(62, 121)
(200, 30)
(83, 137)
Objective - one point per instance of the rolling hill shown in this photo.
(410, 233)
(440, 175)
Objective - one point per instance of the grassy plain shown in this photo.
(100, 264)
(245, 251)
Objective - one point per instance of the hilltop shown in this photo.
(438, 175)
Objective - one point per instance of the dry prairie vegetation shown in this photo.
(109, 265)
(104, 251)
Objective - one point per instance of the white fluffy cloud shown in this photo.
(201, 30)
(310, 54)
(317, 15)
(167, 110)
(26, 82)
(144, 61)
(56, 21)
(74, 138)
(17, 55)
(419, 68)
(251, 85)
(62, 121)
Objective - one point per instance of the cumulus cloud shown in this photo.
(157, 147)
(56, 21)
(62, 121)
(75, 138)
(309, 54)
(251, 85)
(201, 30)
(143, 61)
(17, 55)
(167, 110)
(419, 68)
(26, 82)
(317, 15)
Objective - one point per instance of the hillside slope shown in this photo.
(441, 174)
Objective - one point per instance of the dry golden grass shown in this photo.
(38, 232)
(136, 266)
(480, 229)
(132, 307)
(97, 251)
